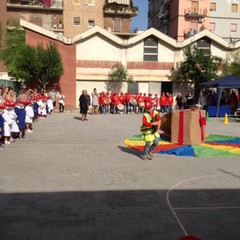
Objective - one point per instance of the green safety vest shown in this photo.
(149, 133)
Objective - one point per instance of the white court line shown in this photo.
(203, 208)
(177, 184)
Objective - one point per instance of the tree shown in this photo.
(25, 65)
(197, 67)
(12, 41)
(232, 66)
(117, 76)
(51, 64)
(37, 66)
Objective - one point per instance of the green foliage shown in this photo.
(197, 67)
(51, 64)
(38, 66)
(119, 73)
(15, 40)
(117, 76)
(232, 67)
(25, 64)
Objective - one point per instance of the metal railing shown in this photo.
(190, 32)
(36, 3)
(195, 11)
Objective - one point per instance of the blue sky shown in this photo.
(140, 21)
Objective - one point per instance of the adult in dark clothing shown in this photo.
(84, 104)
(190, 101)
(179, 101)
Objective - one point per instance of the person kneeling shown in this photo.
(151, 122)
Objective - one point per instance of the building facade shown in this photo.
(181, 19)
(225, 19)
(69, 18)
(150, 57)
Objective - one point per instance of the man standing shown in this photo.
(163, 103)
(151, 122)
(179, 101)
(190, 101)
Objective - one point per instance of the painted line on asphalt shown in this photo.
(205, 208)
(177, 184)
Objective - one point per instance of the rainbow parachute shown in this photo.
(214, 145)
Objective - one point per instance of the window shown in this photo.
(194, 7)
(150, 52)
(76, 20)
(117, 25)
(133, 87)
(205, 45)
(234, 8)
(76, 1)
(213, 7)
(89, 2)
(233, 27)
(91, 22)
(212, 26)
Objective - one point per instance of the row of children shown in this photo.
(17, 118)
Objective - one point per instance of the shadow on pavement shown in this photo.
(77, 118)
(130, 151)
(120, 215)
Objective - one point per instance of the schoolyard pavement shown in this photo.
(75, 180)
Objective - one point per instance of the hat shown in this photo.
(148, 105)
(9, 103)
(28, 102)
(1, 106)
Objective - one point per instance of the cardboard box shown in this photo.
(188, 127)
(166, 121)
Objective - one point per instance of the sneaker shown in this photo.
(150, 154)
(144, 157)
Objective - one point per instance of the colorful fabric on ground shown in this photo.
(214, 145)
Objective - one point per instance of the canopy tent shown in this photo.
(220, 84)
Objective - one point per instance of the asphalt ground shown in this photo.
(75, 180)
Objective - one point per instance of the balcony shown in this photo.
(126, 2)
(120, 9)
(195, 12)
(36, 4)
(190, 32)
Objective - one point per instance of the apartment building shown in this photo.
(225, 19)
(182, 19)
(69, 18)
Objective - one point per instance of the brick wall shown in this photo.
(67, 82)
